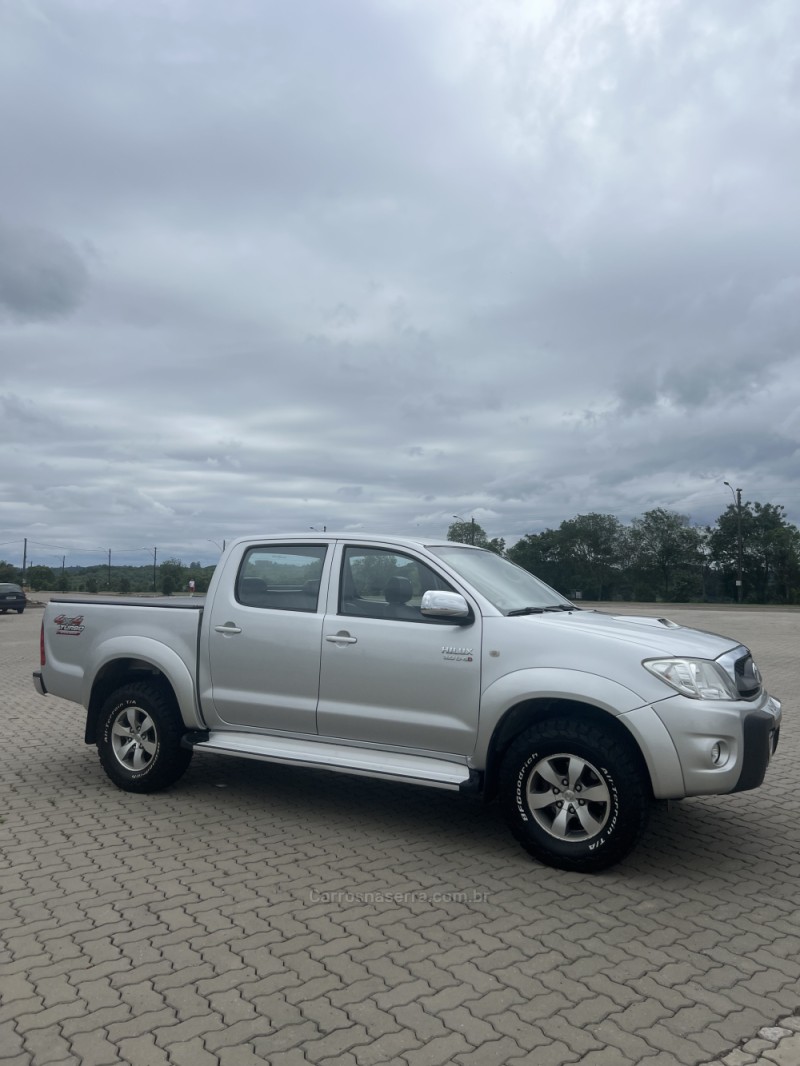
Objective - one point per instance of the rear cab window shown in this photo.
(283, 577)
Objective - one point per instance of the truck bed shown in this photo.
(83, 634)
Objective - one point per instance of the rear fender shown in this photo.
(120, 659)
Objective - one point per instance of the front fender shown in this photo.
(155, 654)
(552, 683)
(627, 706)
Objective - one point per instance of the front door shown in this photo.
(390, 676)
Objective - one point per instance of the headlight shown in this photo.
(699, 678)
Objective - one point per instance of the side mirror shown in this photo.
(445, 605)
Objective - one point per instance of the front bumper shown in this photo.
(744, 734)
(760, 732)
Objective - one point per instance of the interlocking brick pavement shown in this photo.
(257, 914)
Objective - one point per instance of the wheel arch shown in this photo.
(139, 735)
(529, 712)
(124, 670)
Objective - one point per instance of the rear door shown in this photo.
(389, 676)
(264, 634)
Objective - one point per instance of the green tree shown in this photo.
(470, 533)
(8, 572)
(778, 552)
(663, 544)
(584, 554)
(539, 554)
(172, 573)
(201, 576)
(770, 551)
(723, 542)
(592, 544)
(41, 577)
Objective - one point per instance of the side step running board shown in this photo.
(314, 754)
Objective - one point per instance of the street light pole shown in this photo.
(737, 499)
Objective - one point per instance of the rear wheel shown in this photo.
(139, 731)
(573, 795)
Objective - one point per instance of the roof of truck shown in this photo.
(332, 535)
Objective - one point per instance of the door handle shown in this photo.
(229, 627)
(341, 638)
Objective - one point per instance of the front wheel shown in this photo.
(139, 743)
(573, 795)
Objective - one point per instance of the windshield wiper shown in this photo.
(561, 607)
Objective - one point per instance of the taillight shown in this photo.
(42, 659)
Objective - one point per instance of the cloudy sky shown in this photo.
(368, 264)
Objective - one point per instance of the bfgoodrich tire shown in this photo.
(573, 795)
(139, 738)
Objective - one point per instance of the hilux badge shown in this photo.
(460, 654)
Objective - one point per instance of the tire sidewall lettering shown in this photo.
(524, 815)
(613, 759)
(519, 790)
(611, 824)
(107, 728)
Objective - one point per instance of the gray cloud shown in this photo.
(368, 266)
(41, 275)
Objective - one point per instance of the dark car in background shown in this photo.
(12, 598)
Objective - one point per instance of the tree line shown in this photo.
(169, 577)
(661, 556)
(658, 556)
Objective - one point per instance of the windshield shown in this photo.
(507, 586)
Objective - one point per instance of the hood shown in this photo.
(655, 636)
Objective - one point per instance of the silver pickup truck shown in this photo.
(428, 662)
